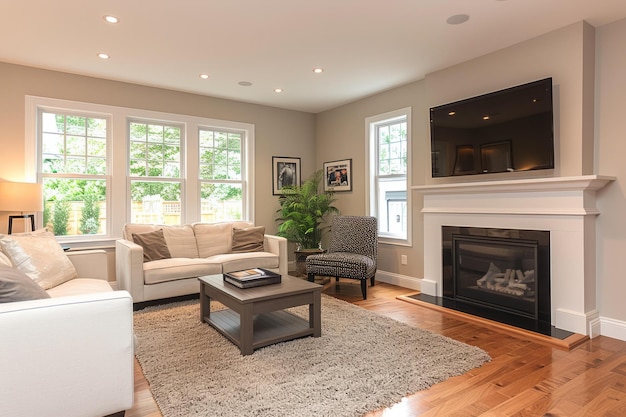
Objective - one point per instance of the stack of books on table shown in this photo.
(254, 277)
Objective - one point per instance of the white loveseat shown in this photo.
(70, 355)
(194, 250)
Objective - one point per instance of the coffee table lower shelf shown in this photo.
(268, 328)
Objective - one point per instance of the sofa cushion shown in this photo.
(181, 241)
(249, 239)
(17, 286)
(237, 261)
(213, 238)
(39, 256)
(79, 286)
(153, 244)
(173, 269)
(131, 228)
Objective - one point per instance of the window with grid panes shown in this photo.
(73, 167)
(155, 172)
(388, 173)
(221, 176)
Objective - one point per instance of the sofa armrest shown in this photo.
(129, 268)
(90, 263)
(278, 245)
(67, 356)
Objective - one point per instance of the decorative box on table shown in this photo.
(253, 277)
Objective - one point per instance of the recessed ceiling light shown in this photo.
(278, 90)
(457, 19)
(204, 76)
(245, 83)
(103, 56)
(452, 113)
(111, 19)
(486, 117)
(318, 70)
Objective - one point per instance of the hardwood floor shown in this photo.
(524, 378)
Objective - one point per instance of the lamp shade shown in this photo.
(25, 197)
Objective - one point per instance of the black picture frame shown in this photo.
(338, 175)
(285, 171)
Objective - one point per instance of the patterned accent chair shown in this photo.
(352, 251)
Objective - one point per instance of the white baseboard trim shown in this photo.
(574, 321)
(403, 281)
(595, 327)
(613, 328)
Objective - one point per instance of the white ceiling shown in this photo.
(365, 46)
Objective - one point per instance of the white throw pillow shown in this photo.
(39, 256)
(4, 260)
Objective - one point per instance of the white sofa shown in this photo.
(70, 355)
(195, 250)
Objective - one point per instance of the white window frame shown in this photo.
(371, 169)
(247, 165)
(180, 180)
(118, 184)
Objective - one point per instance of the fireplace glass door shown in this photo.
(500, 273)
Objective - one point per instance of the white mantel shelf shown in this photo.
(580, 183)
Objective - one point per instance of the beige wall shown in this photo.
(575, 57)
(561, 55)
(278, 132)
(610, 157)
(341, 133)
(581, 127)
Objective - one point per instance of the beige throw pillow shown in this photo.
(39, 256)
(213, 238)
(153, 244)
(249, 239)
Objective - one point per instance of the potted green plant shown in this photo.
(303, 211)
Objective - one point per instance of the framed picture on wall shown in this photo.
(338, 175)
(285, 172)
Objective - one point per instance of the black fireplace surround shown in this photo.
(499, 274)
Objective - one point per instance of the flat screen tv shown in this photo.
(504, 131)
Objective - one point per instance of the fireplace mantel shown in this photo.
(565, 206)
(581, 183)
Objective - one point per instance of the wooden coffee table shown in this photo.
(255, 316)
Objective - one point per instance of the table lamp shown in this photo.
(25, 197)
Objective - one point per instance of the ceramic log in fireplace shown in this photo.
(502, 274)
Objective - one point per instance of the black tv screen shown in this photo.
(503, 131)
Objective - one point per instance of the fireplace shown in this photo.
(564, 206)
(502, 273)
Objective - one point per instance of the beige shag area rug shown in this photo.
(362, 362)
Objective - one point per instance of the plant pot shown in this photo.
(301, 256)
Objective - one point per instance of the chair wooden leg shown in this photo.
(311, 277)
(372, 281)
(364, 288)
(336, 283)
